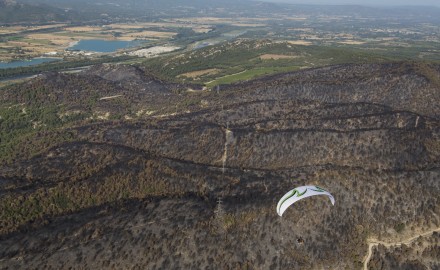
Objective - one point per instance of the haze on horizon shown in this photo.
(363, 2)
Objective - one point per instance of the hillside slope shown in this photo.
(156, 175)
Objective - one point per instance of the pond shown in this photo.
(103, 46)
(27, 63)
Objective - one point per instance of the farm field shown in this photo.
(25, 44)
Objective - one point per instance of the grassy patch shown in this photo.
(37, 41)
(243, 60)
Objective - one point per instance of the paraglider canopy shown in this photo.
(300, 193)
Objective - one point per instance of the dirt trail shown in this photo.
(225, 76)
(374, 242)
(229, 137)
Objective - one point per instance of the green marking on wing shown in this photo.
(290, 196)
(318, 189)
(300, 194)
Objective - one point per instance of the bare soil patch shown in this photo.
(276, 56)
(83, 28)
(352, 42)
(299, 42)
(198, 73)
(149, 34)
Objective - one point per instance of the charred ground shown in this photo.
(113, 167)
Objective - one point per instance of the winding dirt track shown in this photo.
(374, 242)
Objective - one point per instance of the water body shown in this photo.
(27, 63)
(103, 46)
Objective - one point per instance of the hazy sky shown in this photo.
(364, 2)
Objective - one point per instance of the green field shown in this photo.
(36, 41)
(241, 60)
(249, 74)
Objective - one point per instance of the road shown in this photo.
(374, 242)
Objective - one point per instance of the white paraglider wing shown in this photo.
(300, 193)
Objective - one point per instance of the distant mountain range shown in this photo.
(80, 10)
(12, 12)
(360, 2)
(148, 4)
(83, 11)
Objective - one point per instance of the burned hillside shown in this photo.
(121, 169)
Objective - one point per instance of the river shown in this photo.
(27, 63)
